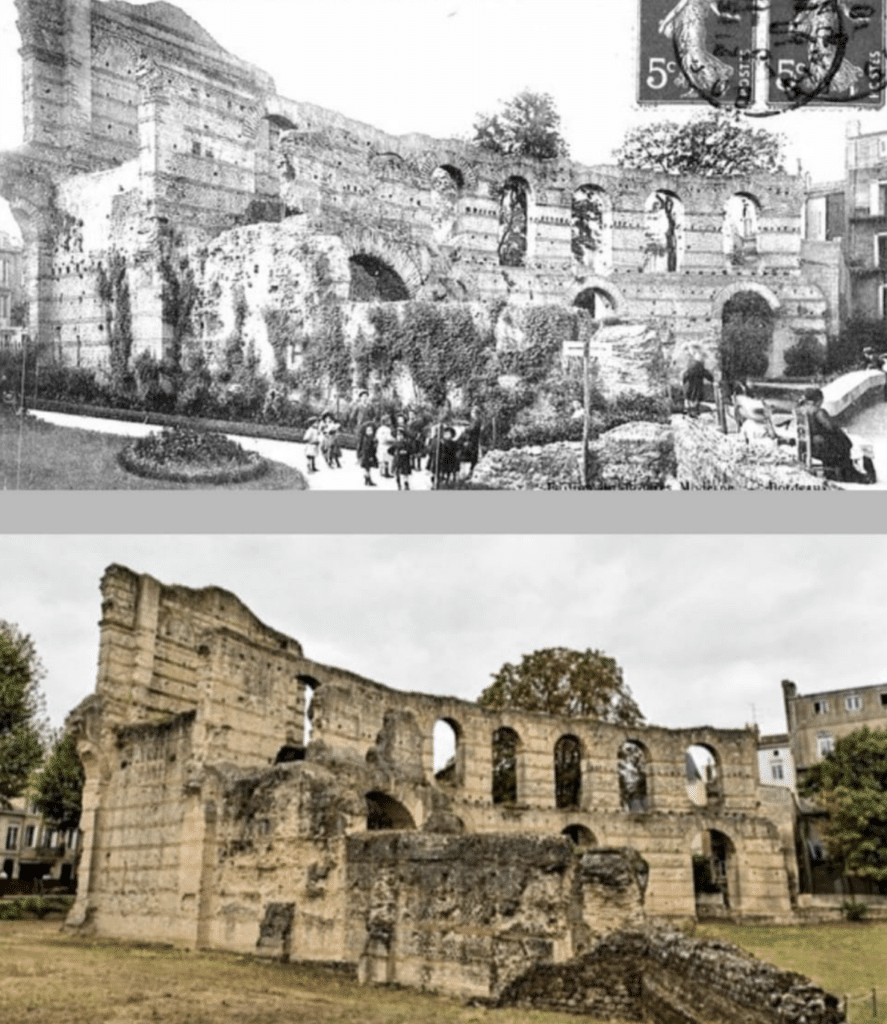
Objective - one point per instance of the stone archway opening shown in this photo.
(374, 280)
(631, 767)
(580, 835)
(514, 213)
(703, 775)
(715, 873)
(384, 812)
(741, 215)
(747, 324)
(505, 750)
(664, 230)
(309, 684)
(591, 228)
(568, 772)
(598, 303)
(446, 749)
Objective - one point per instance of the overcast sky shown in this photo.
(703, 627)
(406, 66)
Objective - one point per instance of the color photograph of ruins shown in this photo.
(536, 842)
(188, 249)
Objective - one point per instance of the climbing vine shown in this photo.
(113, 290)
(178, 297)
(284, 327)
(545, 329)
(327, 356)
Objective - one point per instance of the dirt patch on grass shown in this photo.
(48, 974)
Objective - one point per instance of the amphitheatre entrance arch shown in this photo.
(384, 812)
(597, 302)
(715, 873)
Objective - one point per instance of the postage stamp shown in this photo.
(762, 56)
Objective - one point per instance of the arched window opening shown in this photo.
(446, 189)
(373, 280)
(596, 302)
(591, 236)
(514, 208)
(309, 684)
(580, 835)
(567, 771)
(446, 747)
(746, 336)
(506, 745)
(741, 229)
(384, 812)
(664, 229)
(703, 776)
(632, 770)
(715, 873)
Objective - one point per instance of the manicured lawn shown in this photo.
(845, 958)
(61, 458)
(49, 976)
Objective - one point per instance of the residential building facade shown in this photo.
(32, 849)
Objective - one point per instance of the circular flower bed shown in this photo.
(191, 456)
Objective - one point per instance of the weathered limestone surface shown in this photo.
(209, 821)
(665, 977)
(149, 147)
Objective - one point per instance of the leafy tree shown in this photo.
(717, 144)
(22, 711)
(527, 126)
(556, 681)
(746, 336)
(58, 789)
(851, 784)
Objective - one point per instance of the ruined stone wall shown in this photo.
(666, 977)
(108, 83)
(467, 914)
(188, 817)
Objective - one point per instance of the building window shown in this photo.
(776, 770)
(4, 271)
(4, 307)
(853, 703)
(825, 744)
(884, 700)
(882, 301)
(29, 835)
(881, 252)
(820, 707)
(12, 837)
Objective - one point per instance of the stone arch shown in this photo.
(580, 835)
(715, 865)
(384, 812)
(741, 226)
(597, 302)
(506, 750)
(725, 294)
(603, 285)
(374, 280)
(632, 766)
(748, 326)
(430, 160)
(568, 771)
(450, 770)
(703, 768)
(591, 216)
(404, 263)
(664, 232)
(447, 186)
(515, 240)
(309, 684)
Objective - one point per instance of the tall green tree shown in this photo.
(717, 144)
(527, 126)
(58, 789)
(851, 784)
(23, 725)
(557, 681)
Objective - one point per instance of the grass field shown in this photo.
(844, 958)
(61, 458)
(49, 976)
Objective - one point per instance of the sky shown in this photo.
(704, 628)
(430, 67)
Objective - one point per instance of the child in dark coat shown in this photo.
(366, 453)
